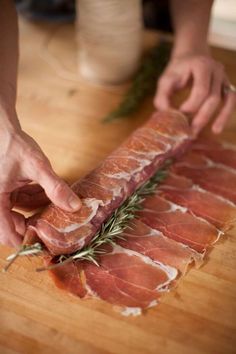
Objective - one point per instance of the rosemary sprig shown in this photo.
(110, 230)
(114, 226)
(24, 250)
(144, 83)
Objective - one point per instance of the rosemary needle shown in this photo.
(144, 82)
(24, 250)
(109, 232)
(114, 226)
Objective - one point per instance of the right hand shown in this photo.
(208, 78)
(21, 162)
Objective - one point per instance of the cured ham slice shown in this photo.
(181, 190)
(124, 278)
(141, 238)
(176, 226)
(220, 152)
(211, 176)
(105, 188)
(175, 223)
(68, 277)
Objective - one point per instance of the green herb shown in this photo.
(144, 82)
(24, 250)
(109, 232)
(113, 228)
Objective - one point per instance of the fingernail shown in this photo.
(74, 203)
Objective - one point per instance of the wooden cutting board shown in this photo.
(64, 115)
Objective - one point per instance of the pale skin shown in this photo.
(22, 160)
(191, 61)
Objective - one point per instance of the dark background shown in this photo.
(155, 12)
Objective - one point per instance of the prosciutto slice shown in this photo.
(214, 177)
(68, 277)
(124, 278)
(182, 220)
(220, 152)
(182, 191)
(161, 249)
(174, 222)
(105, 189)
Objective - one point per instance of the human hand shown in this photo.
(208, 79)
(22, 161)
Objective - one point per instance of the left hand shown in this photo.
(208, 79)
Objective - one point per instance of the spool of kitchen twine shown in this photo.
(110, 39)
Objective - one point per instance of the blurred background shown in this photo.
(223, 24)
(155, 13)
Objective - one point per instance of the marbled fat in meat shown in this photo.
(178, 223)
(161, 249)
(220, 152)
(209, 175)
(102, 191)
(175, 223)
(124, 278)
(182, 191)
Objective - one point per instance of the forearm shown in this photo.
(9, 54)
(190, 21)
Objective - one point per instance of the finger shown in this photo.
(56, 189)
(167, 85)
(200, 90)
(225, 113)
(8, 233)
(210, 106)
(29, 197)
(19, 222)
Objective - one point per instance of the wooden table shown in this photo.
(64, 115)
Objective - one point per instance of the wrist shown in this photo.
(190, 43)
(9, 122)
(180, 50)
(191, 22)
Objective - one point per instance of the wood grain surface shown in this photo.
(64, 114)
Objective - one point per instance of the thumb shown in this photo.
(57, 190)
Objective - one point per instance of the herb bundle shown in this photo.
(144, 83)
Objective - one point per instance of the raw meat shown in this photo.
(105, 188)
(141, 238)
(176, 226)
(174, 222)
(181, 190)
(221, 152)
(68, 277)
(211, 176)
(124, 278)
